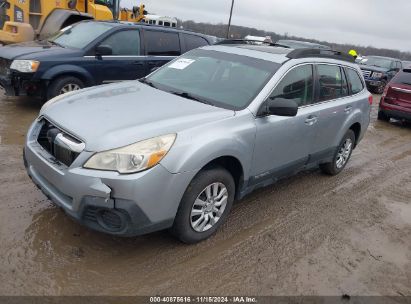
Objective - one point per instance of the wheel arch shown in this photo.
(232, 165)
(69, 70)
(356, 128)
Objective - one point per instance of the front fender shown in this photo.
(68, 69)
(197, 147)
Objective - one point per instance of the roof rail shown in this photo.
(319, 53)
(243, 41)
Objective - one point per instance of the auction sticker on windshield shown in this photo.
(181, 64)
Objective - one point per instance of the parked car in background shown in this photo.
(160, 20)
(295, 44)
(91, 53)
(262, 40)
(378, 71)
(406, 64)
(396, 99)
(175, 149)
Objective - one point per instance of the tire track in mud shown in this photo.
(304, 235)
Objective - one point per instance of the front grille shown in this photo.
(47, 139)
(366, 73)
(4, 66)
(90, 214)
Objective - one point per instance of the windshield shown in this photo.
(80, 35)
(378, 62)
(221, 79)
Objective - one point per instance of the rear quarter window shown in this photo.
(193, 42)
(354, 81)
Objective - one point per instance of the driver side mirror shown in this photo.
(282, 107)
(103, 50)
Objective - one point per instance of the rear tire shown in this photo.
(382, 116)
(201, 213)
(341, 155)
(63, 85)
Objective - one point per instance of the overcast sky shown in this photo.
(379, 23)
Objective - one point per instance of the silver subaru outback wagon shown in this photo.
(175, 149)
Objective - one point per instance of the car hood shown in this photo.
(373, 68)
(33, 50)
(116, 115)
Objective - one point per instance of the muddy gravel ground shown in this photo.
(308, 235)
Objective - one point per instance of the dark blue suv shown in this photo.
(91, 53)
(378, 71)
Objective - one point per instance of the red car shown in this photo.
(396, 99)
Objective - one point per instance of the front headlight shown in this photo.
(25, 66)
(376, 75)
(134, 158)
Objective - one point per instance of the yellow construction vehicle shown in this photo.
(26, 20)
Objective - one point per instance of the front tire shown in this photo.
(341, 155)
(204, 206)
(64, 85)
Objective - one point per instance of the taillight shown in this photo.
(385, 92)
(370, 99)
(14, 29)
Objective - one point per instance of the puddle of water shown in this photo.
(16, 115)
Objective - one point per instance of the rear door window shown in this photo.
(160, 43)
(354, 81)
(124, 43)
(332, 84)
(193, 42)
(297, 85)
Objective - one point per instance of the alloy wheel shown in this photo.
(69, 88)
(208, 207)
(344, 153)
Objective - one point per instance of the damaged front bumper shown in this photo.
(20, 84)
(124, 205)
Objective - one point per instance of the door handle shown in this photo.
(138, 63)
(311, 120)
(348, 109)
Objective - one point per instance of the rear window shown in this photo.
(403, 77)
(162, 43)
(354, 81)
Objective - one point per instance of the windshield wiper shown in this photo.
(147, 82)
(192, 97)
(55, 43)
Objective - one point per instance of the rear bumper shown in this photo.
(122, 205)
(395, 111)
